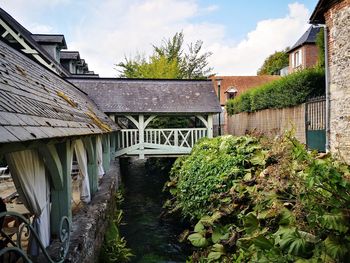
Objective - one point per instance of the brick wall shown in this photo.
(310, 57)
(270, 122)
(338, 23)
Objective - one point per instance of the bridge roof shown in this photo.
(35, 103)
(127, 96)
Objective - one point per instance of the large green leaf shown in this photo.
(198, 240)
(199, 227)
(216, 252)
(219, 233)
(336, 248)
(262, 242)
(214, 256)
(250, 222)
(336, 222)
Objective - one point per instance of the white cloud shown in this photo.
(27, 12)
(40, 29)
(109, 30)
(106, 41)
(269, 36)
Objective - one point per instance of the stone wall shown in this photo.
(270, 122)
(89, 225)
(338, 23)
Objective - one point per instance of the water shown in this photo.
(151, 237)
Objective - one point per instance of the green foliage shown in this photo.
(288, 91)
(157, 67)
(169, 61)
(203, 173)
(321, 48)
(162, 122)
(260, 201)
(114, 249)
(274, 63)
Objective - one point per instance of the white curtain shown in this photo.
(99, 157)
(28, 173)
(81, 155)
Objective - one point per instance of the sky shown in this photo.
(240, 34)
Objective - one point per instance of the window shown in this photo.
(297, 58)
(231, 93)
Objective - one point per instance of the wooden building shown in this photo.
(55, 112)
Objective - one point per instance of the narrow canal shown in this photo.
(152, 237)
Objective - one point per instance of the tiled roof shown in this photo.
(240, 83)
(150, 95)
(35, 103)
(309, 37)
(50, 38)
(28, 37)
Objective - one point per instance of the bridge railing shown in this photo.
(168, 137)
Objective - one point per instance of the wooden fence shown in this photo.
(271, 122)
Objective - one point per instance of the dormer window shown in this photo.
(231, 93)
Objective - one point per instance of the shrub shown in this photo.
(288, 91)
(264, 202)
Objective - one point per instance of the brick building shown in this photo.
(304, 53)
(232, 86)
(335, 15)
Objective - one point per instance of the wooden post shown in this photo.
(210, 126)
(90, 146)
(176, 138)
(106, 146)
(61, 198)
(112, 117)
(113, 136)
(141, 136)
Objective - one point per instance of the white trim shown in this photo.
(133, 120)
(151, 118)
(26, 48)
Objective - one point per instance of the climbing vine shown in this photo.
(253, 200)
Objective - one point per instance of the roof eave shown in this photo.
(322, 6)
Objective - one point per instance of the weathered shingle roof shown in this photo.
(150, 96)
(69, 55)
(50, 38)
(241, 83)
(35, 103)
(28, 37)
(309, 37)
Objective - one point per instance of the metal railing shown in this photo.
(25, 229)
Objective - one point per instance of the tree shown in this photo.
(274, 63)
(169, 60)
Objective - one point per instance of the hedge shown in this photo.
(288, 91)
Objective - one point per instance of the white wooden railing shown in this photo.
(158, 141)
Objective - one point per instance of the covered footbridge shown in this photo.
(135, 104)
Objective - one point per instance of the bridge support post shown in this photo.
(141, 135)
(210, 125)
(106, 151)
